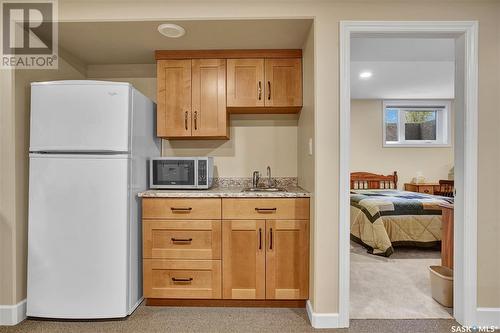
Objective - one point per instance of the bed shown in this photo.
(383, 217)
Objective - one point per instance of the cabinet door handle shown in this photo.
(181, 240)
(271, 239)
(196, 120)
(184, 209)
(265, 210)
(269, 90)
(182, 280)
(260, 90)
(186, 120)
(260, 238)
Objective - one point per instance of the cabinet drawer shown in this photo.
(237, 209)
(177, 208)
(182, 239)
(429, 189)
(182, 278)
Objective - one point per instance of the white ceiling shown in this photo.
(100, 43)
(403, 68)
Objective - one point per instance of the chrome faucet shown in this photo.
(255, 179)
(269, 179)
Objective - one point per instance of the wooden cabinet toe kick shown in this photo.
(252, 303)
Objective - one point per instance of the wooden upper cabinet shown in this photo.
(243, 251)
(245, 82)
(174, 98)
(209, 116)
(264, 85)
(197, 89)
(283, 82)
(287, 259)
(192, 98)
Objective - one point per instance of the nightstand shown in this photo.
(427, 188)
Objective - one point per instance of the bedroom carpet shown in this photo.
(397, 287)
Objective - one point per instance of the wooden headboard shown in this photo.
(369, 181)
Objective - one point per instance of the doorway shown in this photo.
(465, 107)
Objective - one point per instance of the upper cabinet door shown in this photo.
(243, 255)
(245, 82)
(287, 259)
(174, 98)
(209, 117)
(283, 82)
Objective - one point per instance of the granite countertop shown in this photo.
(232, 188)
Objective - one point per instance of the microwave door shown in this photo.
(174, 174)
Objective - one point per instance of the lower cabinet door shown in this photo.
(287, 259)
(182, 278)
(243, 255)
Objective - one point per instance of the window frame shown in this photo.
(443, 124)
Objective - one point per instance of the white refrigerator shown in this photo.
(89, 147)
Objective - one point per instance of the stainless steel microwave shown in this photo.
(181, 172)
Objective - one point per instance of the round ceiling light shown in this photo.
(365, 75)
(171, 30)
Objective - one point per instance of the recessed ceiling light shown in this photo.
(365, 75)
(171, 30)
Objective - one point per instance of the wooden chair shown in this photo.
(446, 188)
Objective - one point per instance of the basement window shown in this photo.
(419, 123)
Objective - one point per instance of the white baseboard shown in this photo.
(488, 317)
(322, 320)
(12, 314)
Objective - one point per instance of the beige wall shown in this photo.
(256, 141)
(368, 153)
(327, 15)
(305, 163)
(7, 184)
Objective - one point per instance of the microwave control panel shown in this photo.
(202, 172)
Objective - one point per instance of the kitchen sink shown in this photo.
(263, 189)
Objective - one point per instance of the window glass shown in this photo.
(416, 123)
(391, 125)
(420, 125)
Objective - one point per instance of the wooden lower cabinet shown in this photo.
(265, 259)
(192, 250)
(287, 259)
(244, 260)
(182, 278)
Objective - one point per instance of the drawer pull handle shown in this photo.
(271, 239)
(182, 209)
(263, 210)
(260, 238)
(182, 280)
(183, 240)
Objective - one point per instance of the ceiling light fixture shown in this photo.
(171, 30)
(365, 75)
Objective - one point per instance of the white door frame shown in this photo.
(465, 228)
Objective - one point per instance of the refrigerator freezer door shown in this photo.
(76, 116)
(78, 236)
